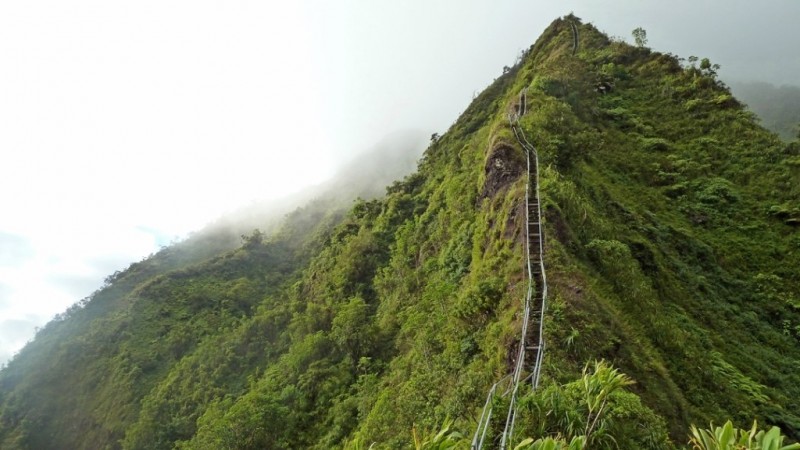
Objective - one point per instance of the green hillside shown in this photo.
(672, 246)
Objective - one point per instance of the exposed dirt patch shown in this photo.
(512, 355)
(503, 166)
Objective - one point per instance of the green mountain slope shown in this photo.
(672, 250)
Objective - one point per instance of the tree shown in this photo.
(640, 37)
(253, 240)
(707, 68)
(351, 329)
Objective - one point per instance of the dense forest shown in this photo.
(672, 245)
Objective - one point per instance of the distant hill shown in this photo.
(778, 107)
(672, 247)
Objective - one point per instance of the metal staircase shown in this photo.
(531, 345)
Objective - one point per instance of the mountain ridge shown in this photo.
(670, 248)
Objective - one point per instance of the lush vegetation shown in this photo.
(672, 250)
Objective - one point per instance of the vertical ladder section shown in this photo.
(535, 337)
(532, 334)
(534, 331)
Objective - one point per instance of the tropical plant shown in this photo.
(444, 439)
(549, 443)
(598, 386)
(727, 437)
(595, 408)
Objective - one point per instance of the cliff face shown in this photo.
(671, 245)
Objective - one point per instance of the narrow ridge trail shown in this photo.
(532, 344)
(574, 37)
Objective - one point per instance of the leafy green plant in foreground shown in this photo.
(727, 437)
(597, 408)
(444, 439)
(576, 443)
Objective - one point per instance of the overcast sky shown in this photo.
(126, 124)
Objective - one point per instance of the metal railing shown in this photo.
(535, 298)
(574, 37)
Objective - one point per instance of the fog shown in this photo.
(125, 126)
(363, 176)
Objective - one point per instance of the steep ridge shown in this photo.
(532, 332)
(670, 250)
(532, 328)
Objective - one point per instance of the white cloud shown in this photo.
(123, 124)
